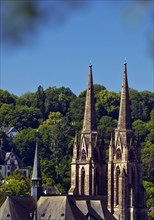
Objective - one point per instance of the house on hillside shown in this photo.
(10, 131)
(9, 161)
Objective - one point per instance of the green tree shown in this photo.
(148, 161)
(105, 127)
(7, 98)
(39, 99)
(53, 118)
(140, 129)
(76, 112)
(141, 104)
(25, 117)
(7, 114)
(58, 100)
(26, 99)
(25, 144)
(107, 104)
(16, 185)
(150, 127)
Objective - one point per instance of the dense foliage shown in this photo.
(16, 185)
(58, 113)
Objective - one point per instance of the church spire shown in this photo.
(89, 123)
(88, 170)
(124, 121)
(36, 189)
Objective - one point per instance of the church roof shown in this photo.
(72, 208)
(16, 207)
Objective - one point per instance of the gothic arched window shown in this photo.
(82, 180)
(83, 155)
(118, 154)
(117, 185)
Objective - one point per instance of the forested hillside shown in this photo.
(57, 113)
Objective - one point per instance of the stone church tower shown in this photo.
(126, 195)
(88, 170)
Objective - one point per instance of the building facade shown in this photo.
(9, 162)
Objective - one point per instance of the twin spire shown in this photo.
(89, 123)
(124, 121)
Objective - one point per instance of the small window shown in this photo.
(83, 155)
(8, 167)
(8, 173)
(118, 154)
(0, 167)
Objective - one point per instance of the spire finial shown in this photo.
(125, 61)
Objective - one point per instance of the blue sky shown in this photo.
(104, 33)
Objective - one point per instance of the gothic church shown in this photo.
(98, 191)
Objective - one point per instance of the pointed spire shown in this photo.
(111, 147)
(89, 123)
(76, 138)
(111, 140)
(124, 121)
(75, 147)
(36, 189)
(36, 167)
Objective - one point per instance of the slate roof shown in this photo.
(17, 208)
(64, 207)
(72, 208)
(4, 156)
(7, 130)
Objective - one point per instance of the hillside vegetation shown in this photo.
(57, 113)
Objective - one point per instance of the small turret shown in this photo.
(36, 189)
(111, 148)
(75, 148)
